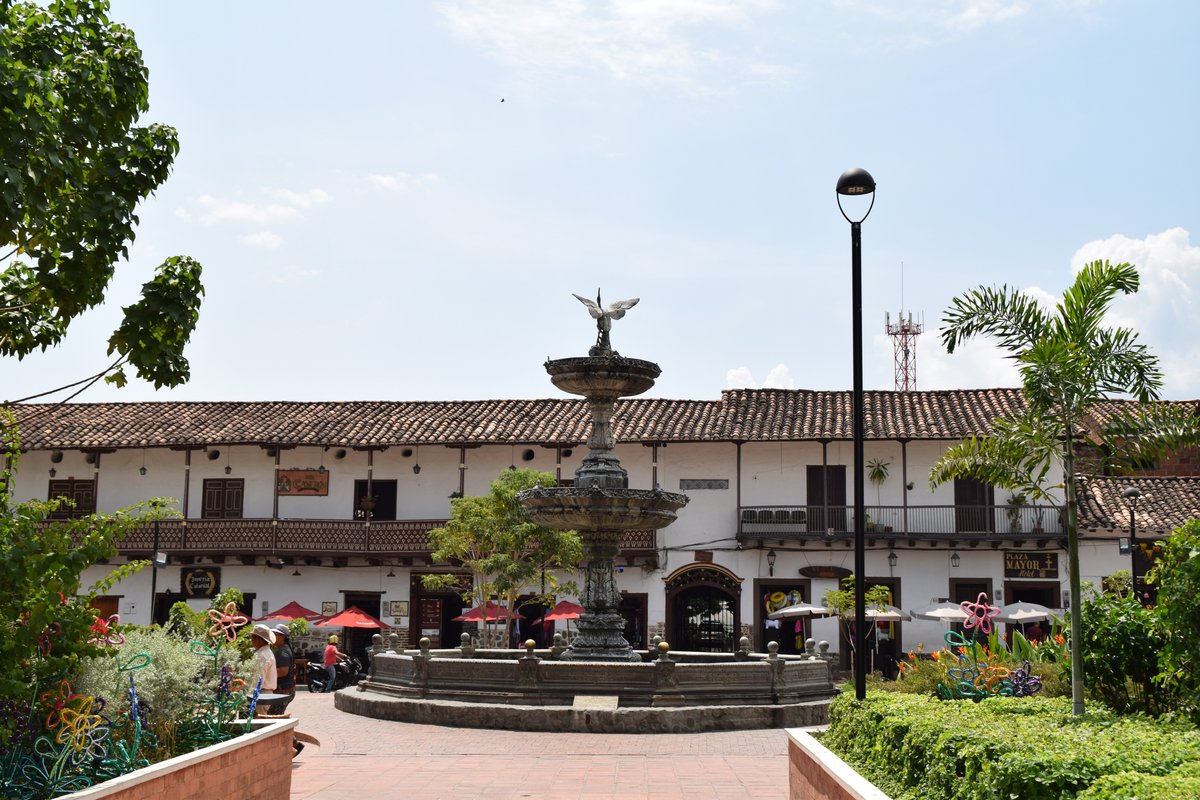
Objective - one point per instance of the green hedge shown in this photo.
(914, 746)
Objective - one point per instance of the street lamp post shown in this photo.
(1131, 497)
(854, 183)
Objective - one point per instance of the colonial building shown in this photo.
(329, 504)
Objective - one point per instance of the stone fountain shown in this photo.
(600, 506)
(598, 683)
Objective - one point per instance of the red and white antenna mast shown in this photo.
(904, 335)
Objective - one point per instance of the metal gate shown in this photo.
(704, 620)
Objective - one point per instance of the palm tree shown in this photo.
(1070, 364)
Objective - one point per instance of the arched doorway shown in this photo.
(703, 608)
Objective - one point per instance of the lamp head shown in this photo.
(856, 182)
(1132, 495)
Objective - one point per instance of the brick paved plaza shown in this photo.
(361, 757)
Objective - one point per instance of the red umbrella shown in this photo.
(352, 617)
(564, 609)
(291, 611)
(488, 612)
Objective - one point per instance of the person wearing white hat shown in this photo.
(261, 638)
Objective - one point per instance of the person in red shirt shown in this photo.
(332, 657)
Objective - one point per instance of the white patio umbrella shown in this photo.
(801, 610)
(884, 614)
(944, 611)
(1020, 613)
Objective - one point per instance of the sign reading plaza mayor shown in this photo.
(313, 482)
(201, 581)
(1030, 565)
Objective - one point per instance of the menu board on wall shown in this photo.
(430, 620)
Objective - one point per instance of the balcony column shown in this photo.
(904, 479)
(187, 479)
(275, 496)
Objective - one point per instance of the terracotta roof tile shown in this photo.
(1165, 504)
(740, 415)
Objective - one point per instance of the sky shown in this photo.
(396, 201)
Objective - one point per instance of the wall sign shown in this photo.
(200, 581)
(1030, 565)
(292, 482)
(815, 571)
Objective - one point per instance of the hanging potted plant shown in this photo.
(877, 474)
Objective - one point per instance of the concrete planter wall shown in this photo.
(254, 766)
(815, 773)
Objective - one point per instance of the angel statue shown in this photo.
(604, 318)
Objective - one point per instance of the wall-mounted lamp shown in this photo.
(295, 573)
(160, 560)
(228, 456)
(53, 472)
(893, 559)
(391, 573)
(1123, 547)
(417, 463)
(142, 470)
(771, 556)
(512, 457)
(955, 560)
(274, 563)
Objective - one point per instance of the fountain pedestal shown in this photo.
(601, 506)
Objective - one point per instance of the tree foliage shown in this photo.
(841, 602)
(45, 614)
(1121, 645)
(74, 164)
(1069, 363)
(504, 553)
(1177, 576)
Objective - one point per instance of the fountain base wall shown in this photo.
(525, 692)
(566, 719)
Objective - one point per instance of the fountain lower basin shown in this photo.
(529, 690)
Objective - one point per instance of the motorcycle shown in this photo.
(347, 673)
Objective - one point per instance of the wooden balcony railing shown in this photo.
(941, 522)
(305, 536)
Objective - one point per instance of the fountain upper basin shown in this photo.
(603, 376)
(566, 508)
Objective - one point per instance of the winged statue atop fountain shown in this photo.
(604, 317)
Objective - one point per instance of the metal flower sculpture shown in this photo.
(226, 622)
(979, 614)
(978, 673)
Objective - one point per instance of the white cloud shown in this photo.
(977, 364)
(637, 41)
(1163, 311)
(779, 377)
(286, 205)
(979, 13)
(399, 181)
(264, 239)
(299, 199)
(919, 22)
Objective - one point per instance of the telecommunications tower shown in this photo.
(904, 335)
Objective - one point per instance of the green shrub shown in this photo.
(173, 680)
(1177, 576)
(1028, 748)
(1121, 643)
